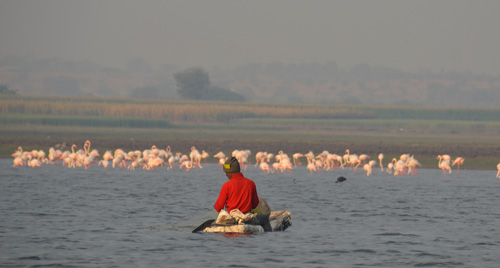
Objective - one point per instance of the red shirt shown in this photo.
(237, 193)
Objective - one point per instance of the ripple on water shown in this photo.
(116, 218)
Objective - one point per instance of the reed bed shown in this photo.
(196, 112)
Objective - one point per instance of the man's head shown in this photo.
(231, 167)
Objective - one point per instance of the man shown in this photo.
(239, 194)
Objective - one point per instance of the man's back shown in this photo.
(237, 193)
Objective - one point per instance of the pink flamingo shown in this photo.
(187, 165)
(498, 173)
(458, 161)
(296, 157)
(104, 163)
(18, 161)
(133, 165)
(259, 157)
(412, 166)
(311, 167)
(390, 167)
(380, 158)
(444, 157)
(363, 158)
(35, 163)
(222, 158)
(444, 165)
(18, 153)
(276, 167)
(265, 167)
(345, 157)
(204, 155)
(399, 167)
(319, 165)
(368, 169)
(309, 156)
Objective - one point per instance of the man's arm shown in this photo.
(221, 201)
(255, 197)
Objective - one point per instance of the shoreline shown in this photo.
(481, 157)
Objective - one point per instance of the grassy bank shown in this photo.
(42, 122)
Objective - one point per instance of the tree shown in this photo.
(194, 83)
(4, 89)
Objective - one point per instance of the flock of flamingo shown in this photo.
(155, 158)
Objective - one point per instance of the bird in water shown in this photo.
(341, 179)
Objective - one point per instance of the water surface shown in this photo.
(55, 216)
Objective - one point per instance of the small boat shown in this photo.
(278, 220)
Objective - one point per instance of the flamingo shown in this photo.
(133, 165)
(412, 165)
(204, 155)
(380, 157)
(319, 165)
(52, 155)
(286, 165)
(368, 169)
(309, 156)
(390, 167)
(41, 156)
(354, 162)
(34, 163)
(399, 167)
(336, 160)
(404, 157)
(259, 157)
(498, 173)
(276, 167)
(90, 159)
(72, 157)
(458, 161)
(372, 163)
(345, 157)
(265, 167)
(270, 156)
(18, 153)
(363, 158)
(104, 163)
(187, 165)
(296, 161)
(222, 158)
(311, 167)
(444, 164)
(195, 157)
(86, 147)
(18, 161)
(444, 157)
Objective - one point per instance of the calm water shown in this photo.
(52, 216)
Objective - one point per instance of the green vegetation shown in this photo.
(194, 83)
(94, 121)
(470, 133)
(18, 110)
(4, 89)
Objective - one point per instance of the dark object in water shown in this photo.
(341, 179)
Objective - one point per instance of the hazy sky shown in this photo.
(408, 35)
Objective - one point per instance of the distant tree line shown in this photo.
(194, 84)
(4, 89)
(276, 82)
